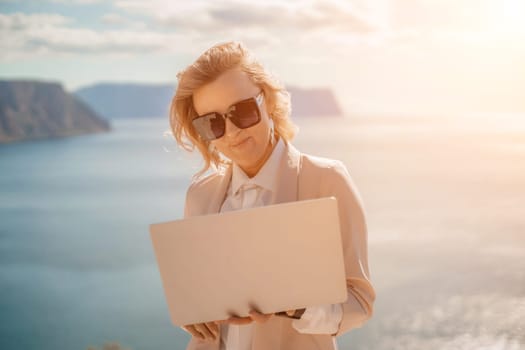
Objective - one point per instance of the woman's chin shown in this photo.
(245, 150)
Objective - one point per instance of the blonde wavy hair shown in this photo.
(208, 67)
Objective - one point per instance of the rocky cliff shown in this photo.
(37, 109)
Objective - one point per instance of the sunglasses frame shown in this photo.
(258, 99)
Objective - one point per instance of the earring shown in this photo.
(272, 133)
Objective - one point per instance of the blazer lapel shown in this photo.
(219, 193)
(288, 173)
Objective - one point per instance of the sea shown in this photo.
(444, 198)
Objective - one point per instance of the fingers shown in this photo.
(194, 332)
(204, 331)
(254, 315)
(214, 329)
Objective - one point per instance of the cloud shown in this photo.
(187, 28)
(24, 35)
(119, 20)
(270, 28)
(274, 15)
(21, 21)
(77, 2)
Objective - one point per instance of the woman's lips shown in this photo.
(240, 143)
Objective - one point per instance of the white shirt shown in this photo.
(245, 192)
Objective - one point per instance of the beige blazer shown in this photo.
(303, 177)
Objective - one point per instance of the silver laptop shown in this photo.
(273, 258)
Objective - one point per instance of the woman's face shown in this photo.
(248, 148)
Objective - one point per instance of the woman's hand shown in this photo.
(208, 331)
(254, 316)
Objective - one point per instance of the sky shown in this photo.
(378, 56)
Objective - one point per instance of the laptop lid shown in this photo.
(272, 258)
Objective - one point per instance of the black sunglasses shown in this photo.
(243, 114)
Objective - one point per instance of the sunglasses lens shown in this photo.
(210, 126)
(246, 114)
(243, 114)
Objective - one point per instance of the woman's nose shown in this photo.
(231, 129)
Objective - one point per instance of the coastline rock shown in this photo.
(36, 109)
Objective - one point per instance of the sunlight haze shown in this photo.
(383, 56)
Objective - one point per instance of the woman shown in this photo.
(230, 108)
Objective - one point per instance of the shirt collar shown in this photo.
(267, 175)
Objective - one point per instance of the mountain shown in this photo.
(113, 100)
(314, 102)
(37, 109)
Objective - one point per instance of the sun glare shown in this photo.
(513, 15)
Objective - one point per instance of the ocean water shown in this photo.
(444, 199)
(76, 262)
